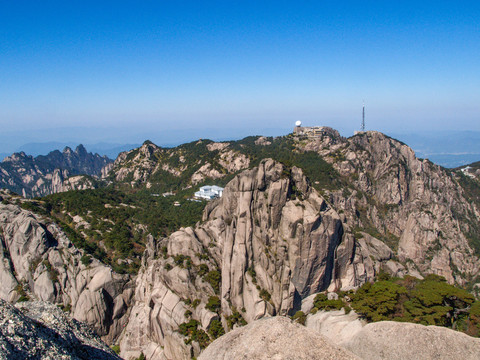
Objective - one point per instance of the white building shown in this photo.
(209, 192)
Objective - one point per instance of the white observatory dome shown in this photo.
(298, 123)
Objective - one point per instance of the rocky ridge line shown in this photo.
(52, 173)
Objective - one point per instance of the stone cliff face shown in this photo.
(52, 173)
(271, 237)
(426, 216)
(417, 208)
(38, 261)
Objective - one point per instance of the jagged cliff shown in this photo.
(417, 208)
(39, 262)
(52, 173)
(273, 239)
(426, 215)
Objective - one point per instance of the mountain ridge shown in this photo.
(46, 174)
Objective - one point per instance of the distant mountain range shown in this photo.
(111, 150)
(46, 174)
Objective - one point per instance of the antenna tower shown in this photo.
(363, 117)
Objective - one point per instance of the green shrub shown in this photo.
(265, 295)
(115, 348)
(86, 259)
(179, 259)
(216, 329)
(235, 318)
(191, 331)
(300, 317)
(321, 302)
(253, 274)
(213, 304)
(378, 301)
(430, 301)
(214, 278)
(203, 270)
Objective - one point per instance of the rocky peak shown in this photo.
(46, 174)
(409, 203)
(266, 244)
(275, 239)
(17, 157)
(67, 150)
(81, 151)
(148, 149)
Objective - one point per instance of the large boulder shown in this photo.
(274, 338)
(405, 341)
(389, 340)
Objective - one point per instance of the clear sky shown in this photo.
(123, 70)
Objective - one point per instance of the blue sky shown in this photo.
(123, 71)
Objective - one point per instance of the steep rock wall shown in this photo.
(40, 262)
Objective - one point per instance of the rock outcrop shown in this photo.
(405, 341)
(189, 163)
(426, 216)
(334, 335)
(38, 330)
(336, 326)
(417, 208)
(43, 175)
(274, 338)
(269, 242)
(38, 261)
(389, 340)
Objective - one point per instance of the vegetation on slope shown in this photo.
(284, 149)
(113, 224)
(430, 301)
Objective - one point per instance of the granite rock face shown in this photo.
(405, 341)
(336, 326)
(389, 340)
(38, 261)
(271, 238)
(274, 338)
(422, 213)
(39, 330)
(417, 208)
